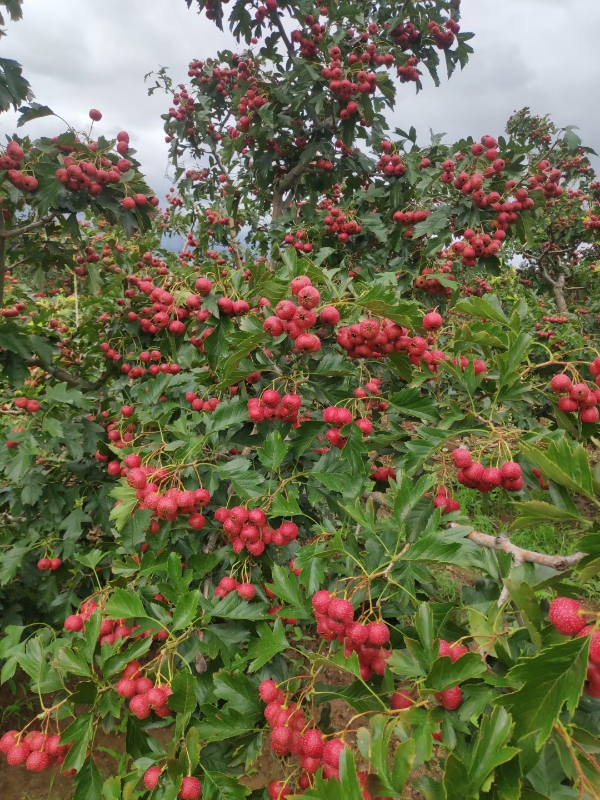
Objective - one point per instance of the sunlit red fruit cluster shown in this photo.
(271, 405)
(249, 528)
(295, 320)
(432, 285)
(339, 418)
(578, 397)
(475, 475)
(335, 620)
(11, 161)
(36, 750)
(144, 694)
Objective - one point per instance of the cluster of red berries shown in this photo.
(271, 405)
(474, 475)
(410, 218)
(445, 502)
(382, 474)
(45, 564)
(546, 179)
(371, 338)
(335, 620)
(289, 735)
(249, 529)
(339, 417)
(173, 502)
(477, 246)
(462, 362)
(13, 311)
(27, 405)
(198, 404)
(338, 223)
(297, 240)
(568, 617)
(228, 584)
(35, 749)
(562, 320)
(578, 396)
(11, 161)
(408, 72)
(432, 285)
(443, 39)
(294, 320)
(190, 788)
(119, 439)
(591, 222)
(111, 629)
(233, 308)
(144, 694)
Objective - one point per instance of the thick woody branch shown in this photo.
(286, 183)
(72, 380)
(504, 545)
(32, 226)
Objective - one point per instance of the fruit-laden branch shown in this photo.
(72, 380)
(2, 259)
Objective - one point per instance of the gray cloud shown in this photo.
(80, 55)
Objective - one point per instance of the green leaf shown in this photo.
(411, 403)
(183, 699)
(227, 414)
(550, 680)
(121, 512)
(88, 782)
(238, 690)
(233, 607)
(33, 111)
(535, 511)
(424, 625)
(348, 777)
(524, 598)
(133, 532)
(79, 732)
(566, 465)
(218, 786)
(284, 506)
(72, 525)
(486, 307)
(273, 451)
(185, 611)
(124, 605)
(118, 661)
(271, 642)
(445, 674)
(489, 749)
(70, 662)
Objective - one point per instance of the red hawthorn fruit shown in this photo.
(140, 706)
(74, 623)
(18, 754)
(125, 688)
(379, 634)
(564, 615)
(457, 650)
(432, 321)
(511, 471)
(95, 115)
(329, 315)
(151, 777)
(321, 601)
(37, 761)
(281, 738)
(190, 789)
(246, 591)
(268, 691)
(312, 743)
(8, 741)
(561, 384)
(450, 699)
(44, 564)
(401, 699)
(331, 753)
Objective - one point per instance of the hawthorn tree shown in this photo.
(231, 475)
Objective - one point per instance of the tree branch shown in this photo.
(282, 186)
(72, 380)
(32, 226)
(288, 44)
(504, 544)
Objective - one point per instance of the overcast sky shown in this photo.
(81, 54)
